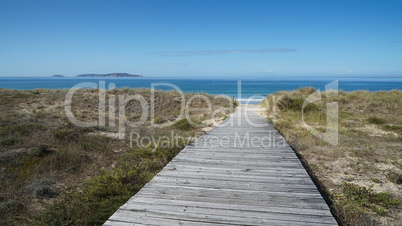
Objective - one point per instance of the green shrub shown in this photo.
(394, 177)
(102, 195)
(306, 90)
(394, 128)
(9, 141)
(311, 107)
(364, 198)
(10, 207)
(65, 161)
(94, 143)
(66, 134)
(296, 104)
(41, 151)
(94, 129)
(39, 189)
(21, 95)
(375, 120)
(183, 124)
(22, 129)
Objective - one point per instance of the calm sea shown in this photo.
(257, 90)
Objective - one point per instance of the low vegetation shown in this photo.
(362, 174)
(53, 172)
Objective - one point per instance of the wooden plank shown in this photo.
(213, 205)
(227, 213)
(274, 180)
(229, 174)
(186, 218)
(271, 186)
(235, 200)
(218, 168)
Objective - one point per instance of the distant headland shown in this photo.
(102, 75)
(109, 75)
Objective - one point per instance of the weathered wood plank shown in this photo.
(214, 205)
(227, 213)
(236, 200)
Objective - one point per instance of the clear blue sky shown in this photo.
(193, 39)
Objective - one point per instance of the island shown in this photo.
(58, 76)
(109, 75)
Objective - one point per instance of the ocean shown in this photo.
(255, 90)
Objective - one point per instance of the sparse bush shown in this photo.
(66, 134)
(364, 199)
(40, 189)
(159, 120)
(394, 128)
(41, 151)
(312, 107)
(375, 120)
(10, 207)
(94, 143)
(306, 90)
(284, 124)
(9, 141)
(65, 161)
(93, 129)
(21, 129)
(394, 177)
(296, 104)
(183, 124)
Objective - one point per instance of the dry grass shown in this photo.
(53, 172)
(362, 174)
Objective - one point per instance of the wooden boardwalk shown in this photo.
(229, 177)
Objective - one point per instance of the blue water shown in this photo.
(255, 89)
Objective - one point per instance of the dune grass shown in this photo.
(361, 175)
(53, 172)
